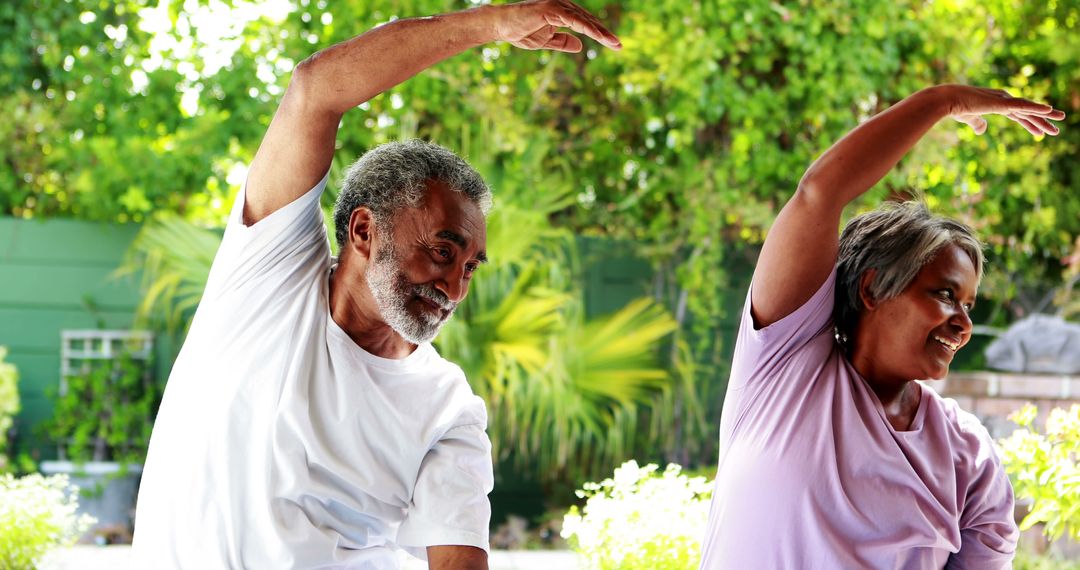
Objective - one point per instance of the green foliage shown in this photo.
(1045, 468)
(1028, 561)
(106, 412)
(93, 117)
(9, 403)
(565, 393)
(640, 519)
(37, 515)
(687, 142)
(173, 258)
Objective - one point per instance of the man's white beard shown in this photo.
(392, 291)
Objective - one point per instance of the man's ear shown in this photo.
(361, 231)
(867, 300)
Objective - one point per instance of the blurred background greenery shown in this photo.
(679, 150)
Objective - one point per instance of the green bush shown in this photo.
(37, 514)
(641, 519)
(1028, 561)
(106, 412)
(1044, 469)
(9, 403)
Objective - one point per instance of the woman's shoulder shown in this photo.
(967, 436)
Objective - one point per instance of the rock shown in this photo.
(1039, 343)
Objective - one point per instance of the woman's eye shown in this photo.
(443, 252)
(947, 294)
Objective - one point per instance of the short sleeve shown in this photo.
(759, 352)
(450, 504)
(988, 532)
(269, 251)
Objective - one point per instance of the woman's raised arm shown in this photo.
(800, 249)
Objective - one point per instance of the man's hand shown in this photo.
(968, 104)
(535, 24)
(299, 145)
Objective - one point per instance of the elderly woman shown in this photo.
(831, 455)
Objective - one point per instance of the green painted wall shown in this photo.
(55, 275)
(59, 274)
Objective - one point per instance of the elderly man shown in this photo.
(308, 422)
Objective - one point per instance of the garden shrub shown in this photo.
(1044, 469)
(640, 519)
(37, 514)
(9, 403)
(1029, 561)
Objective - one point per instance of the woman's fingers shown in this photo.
(1041, 123)
(1028, 107)
(1035, 117)
(980, 101)
(1027, 124)
(977, 123)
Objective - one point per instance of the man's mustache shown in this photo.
(438, 297)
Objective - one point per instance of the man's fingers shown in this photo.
(600, 32)
(562, 41)
(581, 21)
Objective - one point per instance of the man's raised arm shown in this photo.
(297, 149)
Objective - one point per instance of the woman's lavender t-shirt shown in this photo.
(812, 475)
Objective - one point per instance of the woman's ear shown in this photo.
(361, 231)
(867, 299)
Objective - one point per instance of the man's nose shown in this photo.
(454, 285)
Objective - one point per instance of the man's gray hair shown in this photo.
(394, 175)
(896, 240)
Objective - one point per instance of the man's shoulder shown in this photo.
(457, 391)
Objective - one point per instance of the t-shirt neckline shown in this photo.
(414, 360)
(920, 412)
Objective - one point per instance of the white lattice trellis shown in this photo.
(80, 348)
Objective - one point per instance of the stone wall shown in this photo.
(992, 396)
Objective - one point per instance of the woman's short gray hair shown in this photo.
(394, 175)
(896, 240)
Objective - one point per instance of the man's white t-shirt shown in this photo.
(282, 444)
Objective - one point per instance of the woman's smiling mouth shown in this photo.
(952, 345)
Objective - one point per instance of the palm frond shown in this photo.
(174, 257)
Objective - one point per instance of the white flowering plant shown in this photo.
(37, 514)
(9, 402)
(1045, 469)
(640, 519)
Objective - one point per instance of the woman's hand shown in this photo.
(968, 105)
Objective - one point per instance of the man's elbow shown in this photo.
(303, 94)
